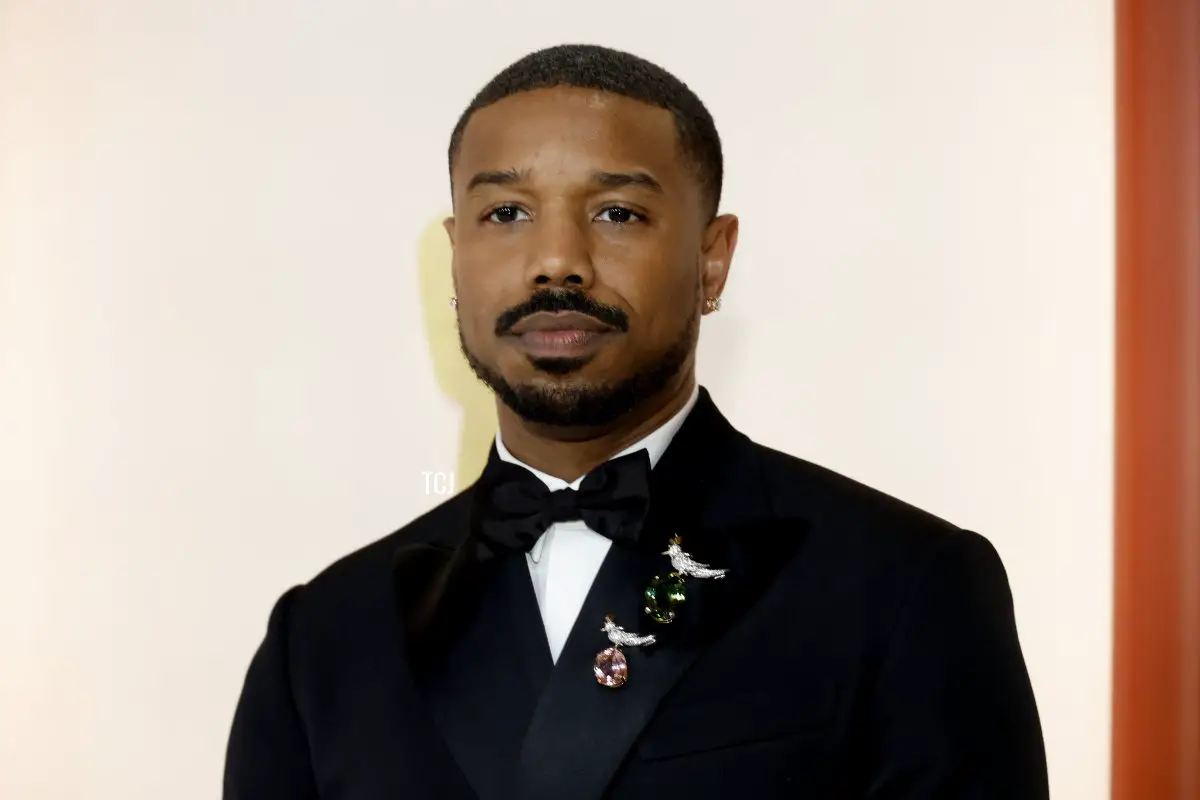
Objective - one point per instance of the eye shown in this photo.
(505, 215)
(620, 216)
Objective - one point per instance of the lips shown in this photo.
(560, 335)
(559, 322)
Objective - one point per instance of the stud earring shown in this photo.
(712, 304)
(454, 302)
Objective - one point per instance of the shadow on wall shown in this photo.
(454, 377)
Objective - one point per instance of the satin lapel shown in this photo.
(708, 489)
(581, 730)
(475, 645)
(438, 584)
(482, 689)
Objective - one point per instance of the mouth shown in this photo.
(560, 335)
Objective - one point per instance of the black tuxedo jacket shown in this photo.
(858, 648)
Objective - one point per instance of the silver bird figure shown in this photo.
(687, 567)
(622, 638)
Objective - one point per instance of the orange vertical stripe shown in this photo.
(1156, 688)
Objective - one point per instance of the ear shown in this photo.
(448, 226)
(720, 241)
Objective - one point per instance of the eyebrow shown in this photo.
(506, 177)
(619, 180)
(608, 180)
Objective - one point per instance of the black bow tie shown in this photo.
(514, 507)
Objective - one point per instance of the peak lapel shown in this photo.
(438, 583)
(483, 687)
(475, 645)
(580, 730)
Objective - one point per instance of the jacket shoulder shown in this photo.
(370, 566)
(859, 517)
(805, 478)
(866, 548)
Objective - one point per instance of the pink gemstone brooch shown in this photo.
(611, 667)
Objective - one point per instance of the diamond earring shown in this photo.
(712, 304)
(454, 302)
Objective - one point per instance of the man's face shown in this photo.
(581, 253)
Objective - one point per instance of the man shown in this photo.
(634, 600)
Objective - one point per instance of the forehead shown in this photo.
(568, 133)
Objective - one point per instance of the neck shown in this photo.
(568, 453)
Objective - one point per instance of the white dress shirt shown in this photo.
(565, 559)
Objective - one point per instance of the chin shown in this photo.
(560, 367)
(583, 392)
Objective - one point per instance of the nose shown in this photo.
(562, 257)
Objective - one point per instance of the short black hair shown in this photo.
(588, 66)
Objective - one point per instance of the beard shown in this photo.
(581, 403)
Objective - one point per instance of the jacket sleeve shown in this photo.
(267, 754)
(954, 715)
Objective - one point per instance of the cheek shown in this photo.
(479, 270)
(661, 299)
(483, 280)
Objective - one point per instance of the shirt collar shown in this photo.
(654, 443)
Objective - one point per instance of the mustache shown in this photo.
(549, 300)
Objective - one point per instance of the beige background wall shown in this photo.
(227, 360)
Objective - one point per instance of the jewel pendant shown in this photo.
(611, 668)
(663, 597)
